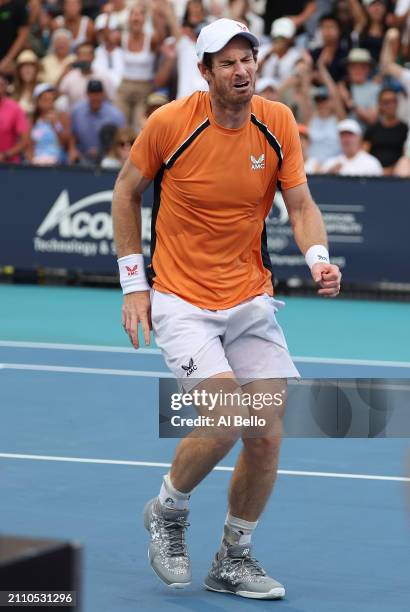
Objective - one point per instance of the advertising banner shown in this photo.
(60, 218)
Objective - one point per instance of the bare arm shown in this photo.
(167, 66)
(16, 47)
(388, 54)
(305, 217)
(20, 146)
(332, 88)
(309, 229)
(126, 209)
(359, 15)
(368, 115)
(305, 15)
(126, 215)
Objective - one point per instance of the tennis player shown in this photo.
(216, 159)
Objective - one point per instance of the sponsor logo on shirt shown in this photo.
(258, 164)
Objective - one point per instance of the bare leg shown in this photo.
(255, 472)
(195, 457)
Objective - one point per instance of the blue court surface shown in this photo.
(80, 455)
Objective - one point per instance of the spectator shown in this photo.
(402, 20)
(14, 31)
(267, 88)
(26, 79)
(14, 126)
(369, 24)
(278, 59)
(358, 92)
(118, 10)
(118, 153)
(189, 79)
(155, 101)
(80, 26)
(194, 15)
(89, 116)
(109, 57)
(59, 59)
(38, 38)
(346, 23)
(353, 161)
(331, 51)
(51, 140)
(311, 164)
(140, 51)
(241, 10)
(385, 139)
(300, 11)
(74, 84)
(391, 68)
(321, 114)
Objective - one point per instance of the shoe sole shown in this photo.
(171, 585)
(275, 593)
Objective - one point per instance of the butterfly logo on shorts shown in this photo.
(190, 367)
(132, 271)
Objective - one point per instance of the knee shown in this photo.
(262, 449)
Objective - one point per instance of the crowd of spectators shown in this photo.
(78, 78)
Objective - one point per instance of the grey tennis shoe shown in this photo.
(167, 550)
(240, 574)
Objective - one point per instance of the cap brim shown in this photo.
(218, 45)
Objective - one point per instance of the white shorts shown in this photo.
(198, 343)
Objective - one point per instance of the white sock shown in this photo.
(236, 531)
(171, 498)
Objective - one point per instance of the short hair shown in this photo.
(386, 90)
(84, 43)
(207, 59)
(329, 17)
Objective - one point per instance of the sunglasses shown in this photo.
(125, 143)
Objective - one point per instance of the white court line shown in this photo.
(154, 351)
(218, 468)
(95, 348)
(77, 370)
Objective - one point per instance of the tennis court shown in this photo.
(80, 455)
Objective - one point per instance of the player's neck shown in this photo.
(231, 118)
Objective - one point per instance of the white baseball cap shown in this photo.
(217, 34)
(265, 82)
(369, 2)
(42, 88)
(283, 28)
(349, 125)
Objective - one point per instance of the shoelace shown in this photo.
(249, 563)
(176, 539)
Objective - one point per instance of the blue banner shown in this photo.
(60, 218)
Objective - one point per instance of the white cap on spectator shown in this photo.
(349, 125)
(283, 28)
(104, 20)
(217, 34)
(264, 83)
(42, 88)
(369, 2)
(359, 56)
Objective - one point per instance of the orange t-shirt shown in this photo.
(213, 190)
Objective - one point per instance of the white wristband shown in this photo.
(132, 273)
(317, 254)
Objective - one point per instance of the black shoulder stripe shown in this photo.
(182, 147)
(271, 138)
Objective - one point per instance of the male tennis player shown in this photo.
(216, 159)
